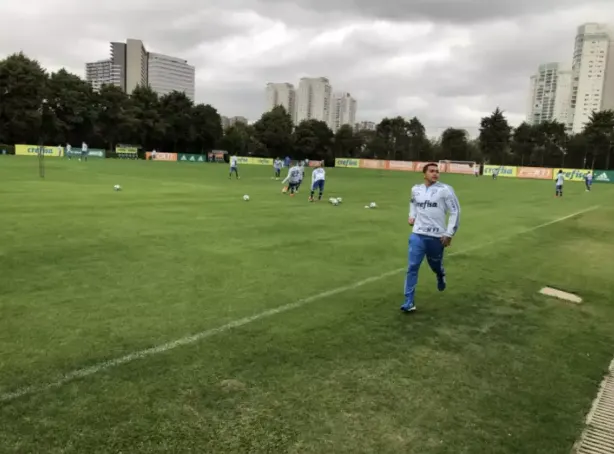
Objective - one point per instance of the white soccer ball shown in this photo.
(246, 197)
(117, 187)
(335, 202)
(372, 205)
(339, 199)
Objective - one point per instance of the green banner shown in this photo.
(91, 153)
(183, 157)
(603, 176)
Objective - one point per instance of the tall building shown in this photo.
(550, 90)
(167, 74)
(592, 73)
(343, 111)
(365, 126)
(130, 66)
(314, 99)
(102, 72)
(281, 94)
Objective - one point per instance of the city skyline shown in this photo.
(131, 65)
(569, 92)
(447, 66)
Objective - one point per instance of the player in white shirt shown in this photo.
(560, 179)
(277, 165)
(68, 151)
(233, 167)
(430, 203)
(293, 179)
(84, 151)
(153, 155)
(318, 178)
(301, 166)
(588, 180)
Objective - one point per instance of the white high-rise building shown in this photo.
(281, 94)
(167, 74)
(592, 73)
(102, 72)
(314, 99)
(549, 94)
(343, 111)
(131, 65)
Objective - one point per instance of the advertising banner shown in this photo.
(406, 166)
(571, 174)
(538, 173)
(33, 150)
(255, 161)
(91, 152)
(347, 162)
(603, 176)
(504, 171)
(373, 164)
(162, 156)
(462, 168)
(126, 149)
(183, 157)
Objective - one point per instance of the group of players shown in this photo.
(295, 177)
(434, 215)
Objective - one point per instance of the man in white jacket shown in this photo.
(431, 202)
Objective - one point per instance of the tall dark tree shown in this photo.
(495, 135)
(176, 110)
(346, 143)
(312, 139)
(523, 143)
(116, 117)
(455, 144)
(207, 127)
(419, 145)
(274, 131)
(392, 140)
(148, 115)
(23, 88)
(599, 132)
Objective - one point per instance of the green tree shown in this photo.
(312, 140)
(494, 139)
(392, 140)
(346, 143)
(419, 145)
(523, 143)
(455, 144)
(176, 109)
(207, 127)
(150, 124)
(23, 88)
(274, 131)
(599, 132)
(116, 117)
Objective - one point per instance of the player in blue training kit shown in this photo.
(560, 179)
(431, 234)
(588, 180)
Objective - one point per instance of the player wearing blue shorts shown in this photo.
(233, 167)
(318, 178)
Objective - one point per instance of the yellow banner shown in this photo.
(347, 162)
(504, 171)
(33, 150)
(255, 161)
(571, 174)
(126, 150)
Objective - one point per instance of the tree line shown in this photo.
(59, 108)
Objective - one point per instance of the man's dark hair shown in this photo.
(426, 167)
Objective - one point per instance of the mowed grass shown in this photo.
(489, 366)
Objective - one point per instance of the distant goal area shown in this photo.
(477, 169)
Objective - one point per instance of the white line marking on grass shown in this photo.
(87, 371)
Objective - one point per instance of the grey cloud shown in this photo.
(453, 11)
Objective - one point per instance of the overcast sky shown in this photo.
(448, 62)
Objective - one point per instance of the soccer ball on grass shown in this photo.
(117, 187)
(246, 197)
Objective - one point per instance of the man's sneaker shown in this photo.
(407, 308)
(441, 283)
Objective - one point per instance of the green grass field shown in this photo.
(89, 275)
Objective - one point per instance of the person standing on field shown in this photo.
(430, 203)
